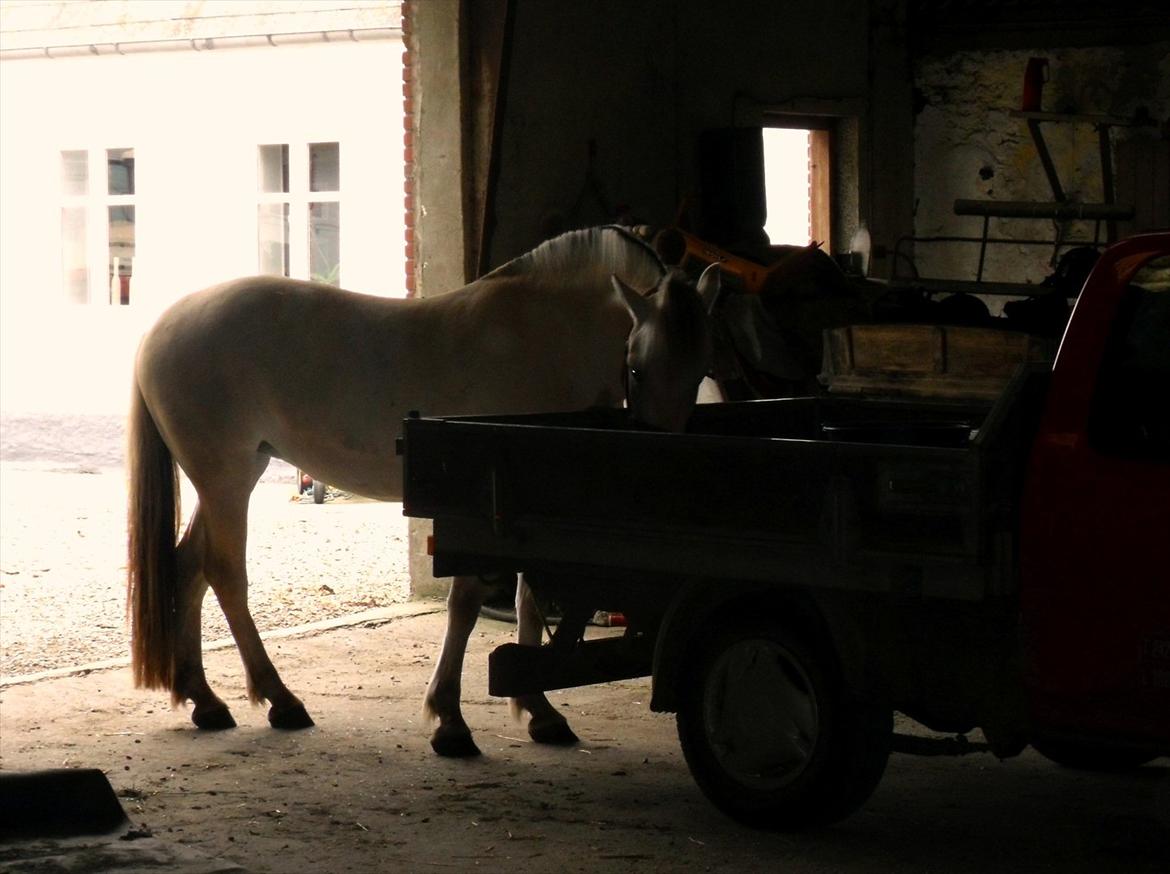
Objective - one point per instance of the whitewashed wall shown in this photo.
(194, 119)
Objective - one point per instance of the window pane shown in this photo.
(273, 168)
(272, 225)
(74, 275)
(120, 164)
(121, 253)
(74, 173)
(324, 167)
(325, 242)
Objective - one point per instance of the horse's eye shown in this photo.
(635, 374)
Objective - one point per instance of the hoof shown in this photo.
(215, 718)
(555, 732)
(290, 718)
(454, 742)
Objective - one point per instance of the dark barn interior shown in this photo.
(578, 114)
(953, 150)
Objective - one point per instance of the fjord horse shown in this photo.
(589, 318)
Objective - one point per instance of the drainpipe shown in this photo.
(355, 34)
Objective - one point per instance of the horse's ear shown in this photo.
(637, 305)
(710, 286)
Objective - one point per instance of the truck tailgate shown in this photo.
(833, 492)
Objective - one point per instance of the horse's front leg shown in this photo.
(546, 725)
(452, 737)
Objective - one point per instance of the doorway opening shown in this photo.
(797, 186)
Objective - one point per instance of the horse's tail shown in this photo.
(152, 568)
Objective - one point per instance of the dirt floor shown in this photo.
(363, 792)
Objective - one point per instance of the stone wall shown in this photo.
(968, 145)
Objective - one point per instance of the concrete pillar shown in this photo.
(887, 195)
(435, 88)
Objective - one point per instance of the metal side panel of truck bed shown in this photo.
(883, 495)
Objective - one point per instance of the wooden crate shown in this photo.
(926, 360)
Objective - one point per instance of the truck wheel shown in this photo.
(318, 492)
(1091, 757)
(770, 735)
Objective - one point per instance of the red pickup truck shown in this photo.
(1095, 521)
(794, 571)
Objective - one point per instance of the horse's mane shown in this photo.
(591, 254)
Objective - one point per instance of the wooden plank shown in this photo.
(927, 360)
(1043, 209)
(820, 187)
(1073, 118)
(969, 286)
(893, 348)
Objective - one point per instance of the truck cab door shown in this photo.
(1095, 524)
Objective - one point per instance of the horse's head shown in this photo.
(669, 348)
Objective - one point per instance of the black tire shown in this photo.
(770, 736)
(1085, 756)
(318, 492)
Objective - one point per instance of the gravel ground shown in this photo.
(63, 543)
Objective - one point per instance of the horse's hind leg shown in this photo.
(209, 712)
(546, 725)
(226, 529)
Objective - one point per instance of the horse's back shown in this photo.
(262, 362)
(266, 309)
(255, 323)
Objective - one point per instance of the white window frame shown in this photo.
(298, 197)
(96, 203)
